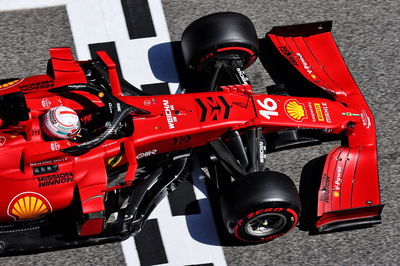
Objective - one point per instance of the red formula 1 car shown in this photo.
(85, 158)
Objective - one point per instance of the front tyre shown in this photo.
(260, 206)
(226, 36)
(265, 224)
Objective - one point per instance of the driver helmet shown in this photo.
(61, 123)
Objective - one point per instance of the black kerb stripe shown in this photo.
(138, 19)
(203, 264)
(109, 48)
(183, 200)
(156, 89)
(149, 245)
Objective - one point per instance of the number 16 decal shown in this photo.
(269, 106)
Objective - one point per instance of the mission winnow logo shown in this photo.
(55, 179)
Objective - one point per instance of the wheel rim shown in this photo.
(209, 65)
(265, 224)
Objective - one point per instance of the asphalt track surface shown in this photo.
(367, 32)
(368, 36)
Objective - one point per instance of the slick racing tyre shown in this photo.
(260, 207)
(229, 35)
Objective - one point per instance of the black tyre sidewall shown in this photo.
(232, 32)
(255, 192)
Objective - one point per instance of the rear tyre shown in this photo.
(225, 35)
(260, 207)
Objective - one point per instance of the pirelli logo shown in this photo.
(318, 110)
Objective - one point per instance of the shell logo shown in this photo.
(28, 205)
(295, 110)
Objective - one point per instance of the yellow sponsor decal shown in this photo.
(318, 110)
(295, 110)
(114, 161)
(8, 84)
(28, 205)
(336, 194)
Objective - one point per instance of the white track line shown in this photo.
(94, 21)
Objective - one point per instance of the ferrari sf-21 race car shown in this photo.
(85, 157)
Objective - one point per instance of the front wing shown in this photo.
(307, 60)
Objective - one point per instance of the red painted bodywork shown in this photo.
(197, 119)
(350, 176)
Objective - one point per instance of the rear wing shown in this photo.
(307, 60)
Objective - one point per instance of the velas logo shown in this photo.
(28, 205)
(295, 110)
